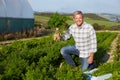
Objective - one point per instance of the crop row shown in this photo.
(40, 59)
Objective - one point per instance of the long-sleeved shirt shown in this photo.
(85, 38)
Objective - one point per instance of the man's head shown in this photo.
(78, 18)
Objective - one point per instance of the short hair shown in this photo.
(77, 12)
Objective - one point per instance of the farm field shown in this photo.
(92, 21)
(40, 59)
(43, 20)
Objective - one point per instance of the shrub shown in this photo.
(57, 20)
(98, 27)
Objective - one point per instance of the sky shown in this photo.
(69, 6)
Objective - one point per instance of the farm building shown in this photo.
(15, 16)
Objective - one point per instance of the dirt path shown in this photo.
(8, 42)
(112, 50)
(113, 46)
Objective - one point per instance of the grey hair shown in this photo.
(77, 12)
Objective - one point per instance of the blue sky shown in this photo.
(69, 6)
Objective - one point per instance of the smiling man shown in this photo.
(85, 42)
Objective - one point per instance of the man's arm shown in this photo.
(66, 36)
(93, 42)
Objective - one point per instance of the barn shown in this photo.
(15, 16)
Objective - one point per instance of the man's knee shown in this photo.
(62, 50)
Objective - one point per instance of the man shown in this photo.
(85, 42)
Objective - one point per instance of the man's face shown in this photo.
(78, 19)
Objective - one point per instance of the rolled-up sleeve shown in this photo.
(67, 35)
(93, 41)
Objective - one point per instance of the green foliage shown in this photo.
(42, 20)
(116, 27)
(40, 59)
(98, 27)
(104, 40)
(117, 53)
(95, 17)
(57, 20)
(66, 73)
(14, 68)
(113, 68)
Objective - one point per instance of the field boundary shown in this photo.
(3, 43)
(113, 48)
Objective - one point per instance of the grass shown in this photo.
(91, 21)
(41, 19)
(44, 19)
(106, 23)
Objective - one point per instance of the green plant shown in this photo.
(57, 20)
(40, 59)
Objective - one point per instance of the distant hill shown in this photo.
(111, 17)
(95, 16)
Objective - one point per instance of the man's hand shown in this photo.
(57, 37)
(91, 58)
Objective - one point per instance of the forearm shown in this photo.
(92, 54)
(91, 58)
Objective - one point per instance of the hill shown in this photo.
(89, 15)
(91, 18)
(95, 16)
(111, 17)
